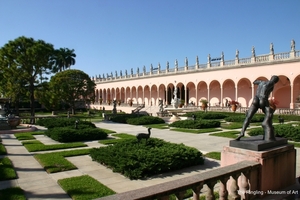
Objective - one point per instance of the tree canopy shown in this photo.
(63, 58)
(22, 62)
(71, 86)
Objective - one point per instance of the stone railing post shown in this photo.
(293, 54)
(223, 193)
(196, 192)
(208, 61)
(234, 187)
(210, 190)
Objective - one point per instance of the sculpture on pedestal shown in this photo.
(260, 101)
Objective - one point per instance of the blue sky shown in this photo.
(114, 35)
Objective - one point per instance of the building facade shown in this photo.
(217, 81)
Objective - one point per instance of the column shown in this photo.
(292, 104)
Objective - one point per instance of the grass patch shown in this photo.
(158, 126)
(214, 155)
(232, 125)
(84, 187)
(56, 162)
(196, 131)
(35, 145)
(296, 144)
(228, 134)
(2, 149)
(7, 170)
(28, 135)
(14, 193)
(122, 136)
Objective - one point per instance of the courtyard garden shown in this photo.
(122, 152)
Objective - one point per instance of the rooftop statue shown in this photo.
(293, 45)
(260, 101)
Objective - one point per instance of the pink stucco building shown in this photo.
(216, 81)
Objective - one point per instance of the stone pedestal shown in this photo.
(278, 165)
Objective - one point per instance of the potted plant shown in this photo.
(130, 102)
(109, 101)
(119, 102)
(204, 104)
(234, 105)
(181, 103)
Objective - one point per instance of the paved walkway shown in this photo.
(40, 185)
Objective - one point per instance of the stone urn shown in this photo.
(13, 121)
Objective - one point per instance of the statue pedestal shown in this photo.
(278, 164)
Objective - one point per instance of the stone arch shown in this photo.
(140, 94)
(282, 92)
(214, 93)
(170, 88)
(202, 91)
(162, 92)
(228, 91)
(191, 92)
(147, 95)
(154, 96)
(244, 91)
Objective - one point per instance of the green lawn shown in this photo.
(158, 126)
(7, 170)
(196, 131)
(84, 187)
(2, 149)
(214, 155)
(121, 136)
(35, 145)
(14, 193)
(228, 134)
(56, 162)
(28, 135)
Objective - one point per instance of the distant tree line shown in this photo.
(26, 64)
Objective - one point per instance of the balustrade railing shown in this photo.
(297, 54)
(263, 58)
(215, 64)
(247, 171)
(229, 62)
(244, 60)
(281, 56)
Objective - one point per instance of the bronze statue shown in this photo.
(261, 101)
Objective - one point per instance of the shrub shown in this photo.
(67, 134)
(241, 118)
(208, 115)
(123, 118)
(197, 124)
(282, 130)
(137, 160)
(64, 122)
(144, 120)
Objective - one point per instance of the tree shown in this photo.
(64, 58)
(71, 86)
(22, 61)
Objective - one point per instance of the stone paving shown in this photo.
(40, 185)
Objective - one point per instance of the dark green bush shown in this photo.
(241, 118)
(123, 118)
(67, 134)
(138, 160)
(208, 115)
(197, 124)
(281, 130)
(144, 120)
(63, 122)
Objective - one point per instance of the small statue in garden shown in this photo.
(141, 136)
(161, 105)
(261, 101)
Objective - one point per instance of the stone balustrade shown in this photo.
(243, 178)
(271, 57)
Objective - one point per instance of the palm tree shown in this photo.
(64, 58)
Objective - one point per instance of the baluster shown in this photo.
(244, 185)
(223, 193)
(180, 195)
(210, 191)
(196, 191)
(234, 187)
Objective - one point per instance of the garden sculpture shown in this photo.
(141, 136)
(280, 119)
(261, 101)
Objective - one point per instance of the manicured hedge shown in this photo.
(197, 124)
(145, 120)
(239, 118)
(67, 134)
(64, 122)
(208, 115)
(138, 160)
(281, 130)
(122, 118)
